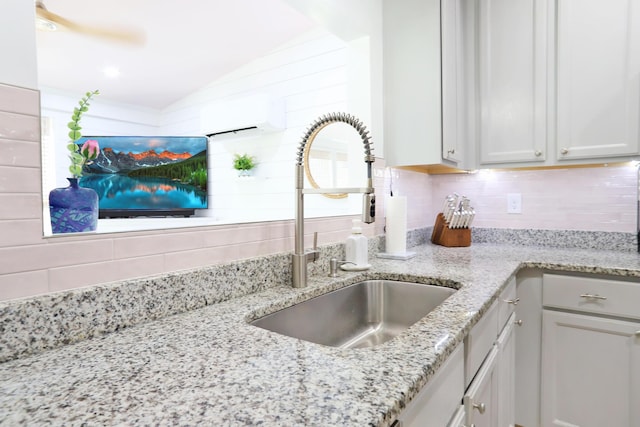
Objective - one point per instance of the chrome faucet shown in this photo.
(300, 258)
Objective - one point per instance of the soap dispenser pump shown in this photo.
(356, 248)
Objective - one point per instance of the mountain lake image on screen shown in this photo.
(148, 175)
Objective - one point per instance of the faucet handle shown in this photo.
(314, 254)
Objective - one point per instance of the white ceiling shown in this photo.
(189, 43)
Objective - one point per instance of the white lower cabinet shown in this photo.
(506, 368)
(438, 402)
(556, 350)
(481, 399)
(529, 334)
(490, 397)
(483, 366)
(590, 352)
(590, 371)
(458, 419)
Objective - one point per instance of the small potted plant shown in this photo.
(244, 164)
(74, 208)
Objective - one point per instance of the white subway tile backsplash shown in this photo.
(25, 284)
(19, 127)
(281, 229)
(20, 206)
(76, 276)
(18, 232)
(195, 258)
(19, 153)
(152, 244)
(15, 179)
(277, 245)
(19, 100)
(590, 199)
(49, 254)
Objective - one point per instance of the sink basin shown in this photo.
(364, 314)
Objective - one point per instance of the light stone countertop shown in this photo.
(209, 367)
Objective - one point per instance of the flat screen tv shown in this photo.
(148, 175)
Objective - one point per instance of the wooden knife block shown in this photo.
(449, 237)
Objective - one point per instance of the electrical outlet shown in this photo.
(514, 203)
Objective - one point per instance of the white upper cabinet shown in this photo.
(454, 95)
(512, 82)
(558, 81)
(598, 78)
(414, 85)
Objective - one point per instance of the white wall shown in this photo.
(315, 74)
(18, 43)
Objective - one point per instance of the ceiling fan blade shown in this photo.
(132, 37)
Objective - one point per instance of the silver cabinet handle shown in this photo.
(480, 407)
(512, 301)
(638, 333)
(518, 322)
(593, 296)
(564, 151)
(538, 153)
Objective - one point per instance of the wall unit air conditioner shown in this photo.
(256, 113)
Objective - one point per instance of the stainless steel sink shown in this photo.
(364, 314)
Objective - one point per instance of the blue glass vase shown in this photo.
(73, 209)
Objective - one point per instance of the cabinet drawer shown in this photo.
(479, 342)
(593, 295)
(507, 303)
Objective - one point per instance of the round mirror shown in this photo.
(334, 158)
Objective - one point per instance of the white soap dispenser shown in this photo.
(356, 249)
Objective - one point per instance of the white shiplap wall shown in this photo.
(311, 74)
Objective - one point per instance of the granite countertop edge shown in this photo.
(210, 364)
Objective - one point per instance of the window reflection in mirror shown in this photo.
(336, 158)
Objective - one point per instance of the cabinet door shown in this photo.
(598, 84)
(528, 343)
(412, 82)
(437, 402)
(506, 367)
(458, 418)
(480, 400)
(590, 371)
(512, 81)
(453, 87)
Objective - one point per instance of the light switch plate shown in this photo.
(514, 203)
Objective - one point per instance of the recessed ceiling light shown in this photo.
(111, 72)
